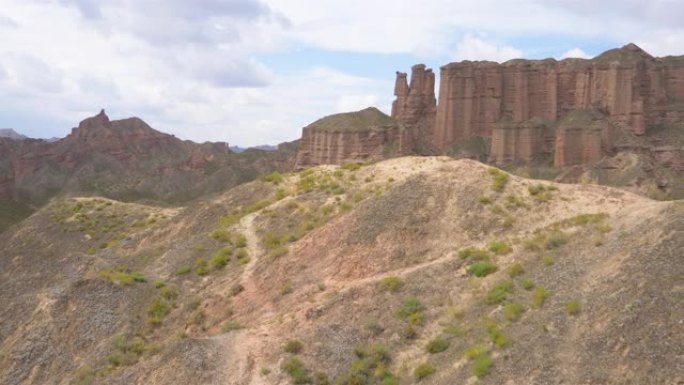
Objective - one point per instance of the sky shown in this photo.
(252, 72)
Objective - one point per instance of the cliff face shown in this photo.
(350, 137)
(632, 89)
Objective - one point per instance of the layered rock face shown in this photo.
(415, 104)
(350, 137)
(631, 88)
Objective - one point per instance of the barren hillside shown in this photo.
(416, 269)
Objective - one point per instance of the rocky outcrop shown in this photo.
(353, 137)
(632, 89)
(10, 133)
(127, 160)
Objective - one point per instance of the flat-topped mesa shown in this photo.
(631, 88)
(415, 103)
(357, 136)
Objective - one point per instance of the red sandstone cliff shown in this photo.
(355, 136)
(515, 103)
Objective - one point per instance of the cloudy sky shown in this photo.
(253, 72)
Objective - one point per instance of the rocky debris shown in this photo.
(353, 137)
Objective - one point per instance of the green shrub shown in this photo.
(495, 333)
(482, 269)
(474, 253)
(536, 243)
(513, 311)
(485, 200)
(499, 293)
(114, 359)
(351, 166)
(242, 257)
(278, 252)
(515, 270)
(499, 247)
(280, 194)
(547, 260)
(412, 311)
(391, 283)
(528, 284)
(424, 370)
(499, 179)
(482, 365)
(183, 270)
(535, 189)
(157, 310)
(221, 235)
(573, 307)
(240, 241)
(257, 206)
(297, 371)
(539, 296)
(369, 367)
(221, 258)
(475, 351)
(201, 266)
(437, 345)
(293, 346)
(286, 288)
(274, 177)
(229, 220)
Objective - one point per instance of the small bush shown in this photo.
(499, 247)
(157, 310)
(547, 260)
(231, 326)
(573, 307)
(556, 240)
(535, 189)
(528, 284)
(286, 289)
(513, 311)
(201, 267)
(475, 351)
(474, 253)
(236, 289)
(482, 269)
(392, 284)
(412, 311)
(240, 241)
(293, 347)
(296, 369)
(278, 252)
(495, 333)
(539, 296)
(221, 258)
(221, 235)
(485, 200)
(515, 270)
(482, 365)
(499, 293)
(229, 220)
(424, 370)
(499, 179)
(437, 345)
(242, 257)
(275, 177)
(351, 166)
(114, 359)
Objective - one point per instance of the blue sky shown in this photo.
(257, 71)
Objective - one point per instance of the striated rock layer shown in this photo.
(632, 89)
(350, 137)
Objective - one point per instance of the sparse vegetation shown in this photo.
(437, 345)
(515, 270)
(424, 370)
(412, 311)
(485, 200)
(499, 179)
(350, 166)
(539, 296)
(275, 177)
(201, 267)
(391, 283)
(297, 371)
(474, 253)
(231, 326)
(499, 293)
(482, 365)
(157, 310)
(123, 276)
(512, 311)
(482, 269)
(183, 270)
(573, 307)
(547, 260)
(499, 247)
(528, 284)
(293, 347)
(371, 366)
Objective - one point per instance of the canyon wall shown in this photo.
(632, 89)
(353, 137)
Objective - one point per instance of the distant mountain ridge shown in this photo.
(10, 133)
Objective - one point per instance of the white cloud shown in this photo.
(575, 53)
(475, 48)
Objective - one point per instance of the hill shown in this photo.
(413, 269)
(125, 160)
